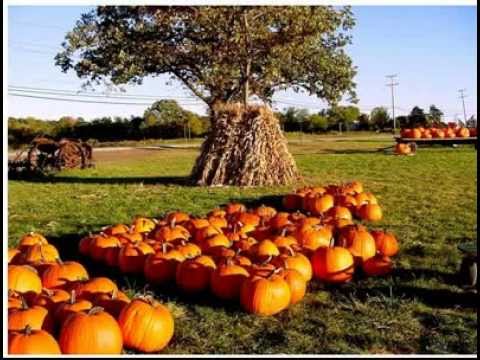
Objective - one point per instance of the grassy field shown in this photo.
(429, 202)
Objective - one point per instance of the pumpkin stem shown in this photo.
(27, 330)
(332, 242)
(172, 223)
(290, 250)
(73, 297)
(47, 291)
(95, 310)
(24, 303)
(274, 272)
(270, 257)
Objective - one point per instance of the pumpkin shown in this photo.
(406, 133)
(100, 244)
(171, 232)
(322, 204)
(23, 279)
(193, 275)
(84, 245)
(233, 208)
(217, 212)
(110, 256)
(307, 222)
(188, 249)
(130, 237)
(263, 250)
(95, 285)
(196, 224)
(143, 225)
(416, 133)
(13, 255)
(244, 245)
(296, 261)
(279, 221)
(339, 213)
(161, 266)
(49, 298)
(58, 274)
(386, 243)
(463, 132)
(262, 232)
(40, 253)
(284, 241)
(333, 264)
(226, 280)
(147, 326)
(473, 132)
(112, 303)
(14, 300)
(215, 240)
(362, 245)
(34, 342)
(95, 332)
(402, 149)
(439, 134)
(314, 237)
(205, 233)
(37, 317)
(377, 266)
(30, 239)
(265, 296)
(346, 200)
(296, 283)
(218, 221)
(265, 212)
(220, 252)
(73, 305)
(370, 212)
(131, 258)
(116, 229)
(353, 187)
(177, 217)
(249, 221)
(236, 259)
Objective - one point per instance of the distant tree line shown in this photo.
(166, 119)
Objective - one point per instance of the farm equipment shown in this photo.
(44, 154)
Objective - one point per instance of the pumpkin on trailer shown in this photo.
(112, 303)
(193, 275)
(265, 296)
(93, 332)
(37, 317)
(161, 266)
(33, 342)
(146, 325)
(24, 279)
(333, 264)
(60, 273)
(463, 132)
(32, 238)
(377, 266)
(226, 280)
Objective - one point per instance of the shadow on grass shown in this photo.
(161, 180)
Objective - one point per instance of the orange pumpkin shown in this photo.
(233, 208)
(244, 245)
(30, 239)
(49, 298)
(226, 280)
(147, 326)
(177, 217)
(112, 303)
(265, 296)
(143, 225)
(131, 258)
(377, 266)
(296, 261)
(315, 237)
(193, 275)
(402, 149)
(23, 279)
(292, 201)
(263, 250)
(89, 288)
(161, 266)
(171, 232)
(386, 243)
(333, 264)
(40, 253)
(296, 283)
(95, 332)
(463, 132)
(73, 305)
(116, 229)
(265, 212)
(37, 317)
(13, 255)
(58, 274)
(370, 212)
(322, 204)
(100, 244)
(33, 342)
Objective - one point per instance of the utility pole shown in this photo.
(463, 96)
(392, 84)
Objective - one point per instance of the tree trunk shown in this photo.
(245, 147)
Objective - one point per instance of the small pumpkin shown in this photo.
(33, 342)
(385, 242)
(143, 225)
(322, 204)
(147, 326)
(370, 212)
(94, 332)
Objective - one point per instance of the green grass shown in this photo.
(429, 202)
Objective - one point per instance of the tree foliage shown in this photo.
(220, 53)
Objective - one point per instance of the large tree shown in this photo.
(222, 54)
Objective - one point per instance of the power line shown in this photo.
(463, 96)
(81, 93)
(86, 101)
(392, 84)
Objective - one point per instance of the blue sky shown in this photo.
(432, 49)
